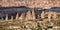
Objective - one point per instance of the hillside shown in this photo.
(31, 3)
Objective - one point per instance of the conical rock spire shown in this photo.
(22, 16)
(42, 15)
(28, 15)
(11, 18)
(6, 17)
(17, 16)
(33, 14)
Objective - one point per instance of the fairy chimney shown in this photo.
(22, 16)
(33, 14)
(28, 15)
(42, 15)
(6, 17)
(17, 16)
(11, 17)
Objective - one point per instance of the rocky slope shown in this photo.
(32, 3)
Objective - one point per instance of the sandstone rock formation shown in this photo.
(42, 15)
(6, 17)
(22, 16)
(33, 14)
(17, 16)
(28, 16)
(11, 18)
(31, 3)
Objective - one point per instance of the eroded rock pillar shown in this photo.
(42, 15)
(28, 16)
(33, 14)
(22, 16)
(6, 18)
(17, 16)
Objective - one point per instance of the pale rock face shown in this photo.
(17, 16)
(33, 15)
(11, 18)
(42, 15)
(28, 16)
(6, 17)
(22, 16)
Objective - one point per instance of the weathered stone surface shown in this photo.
(42, 15)
(33, 14)
(6, 17)
(22, 16)
(11, 18)
(28, 16)
(17, 16)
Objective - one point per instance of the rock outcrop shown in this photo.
(33, 14)
(42, 15)
(28, 16)
(17, 16)
(6, 17)
(22, 16)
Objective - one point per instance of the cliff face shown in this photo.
(32, 3)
